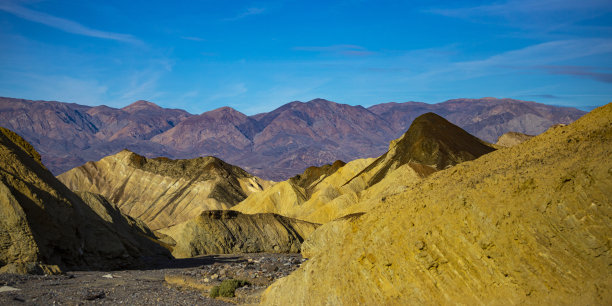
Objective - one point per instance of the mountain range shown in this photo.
(274, 145)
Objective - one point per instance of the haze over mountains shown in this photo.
(274, 145)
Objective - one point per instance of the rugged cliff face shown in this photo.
(163, 192)
(528, 224)
(227, 231)
(332, 191)
(44, 225)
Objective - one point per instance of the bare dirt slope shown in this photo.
(529, 224)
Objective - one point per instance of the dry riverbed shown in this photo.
(178, 282)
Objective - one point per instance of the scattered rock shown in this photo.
(94, 295)
(8, 289)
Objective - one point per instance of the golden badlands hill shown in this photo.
(46, 227)
(227, 232)
(528, 224)
(324, 194)
(163, 192)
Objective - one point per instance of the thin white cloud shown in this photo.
(531, 7)
(141, 85)
(249, 12)
(63, 24)
(542, 54)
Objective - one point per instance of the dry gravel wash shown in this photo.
(149, 286)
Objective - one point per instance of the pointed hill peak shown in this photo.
(225, 110)
(321, 101)
(434, 141)
(141, 105)
(431, 143)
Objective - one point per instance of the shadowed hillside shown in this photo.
(45, 227)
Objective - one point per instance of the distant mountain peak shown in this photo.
(320, 100)
(225, 110)
(140, 105)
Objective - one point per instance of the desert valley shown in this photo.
(343, 152)
(441, 216)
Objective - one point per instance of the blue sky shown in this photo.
(257, 55)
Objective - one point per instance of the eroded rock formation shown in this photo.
(164, 192)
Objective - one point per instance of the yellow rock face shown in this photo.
(312, 203)
(44, 226)
(530, 224)
(227, 231)
(163, 192)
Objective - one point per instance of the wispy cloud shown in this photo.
(63, 24)
(594, 73)
(249, 12)
(539, 55)
(141, 85)
(538, 17)
(531, 7)
(542, 96)
(348, 50)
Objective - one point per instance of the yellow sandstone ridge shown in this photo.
(163, 192)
